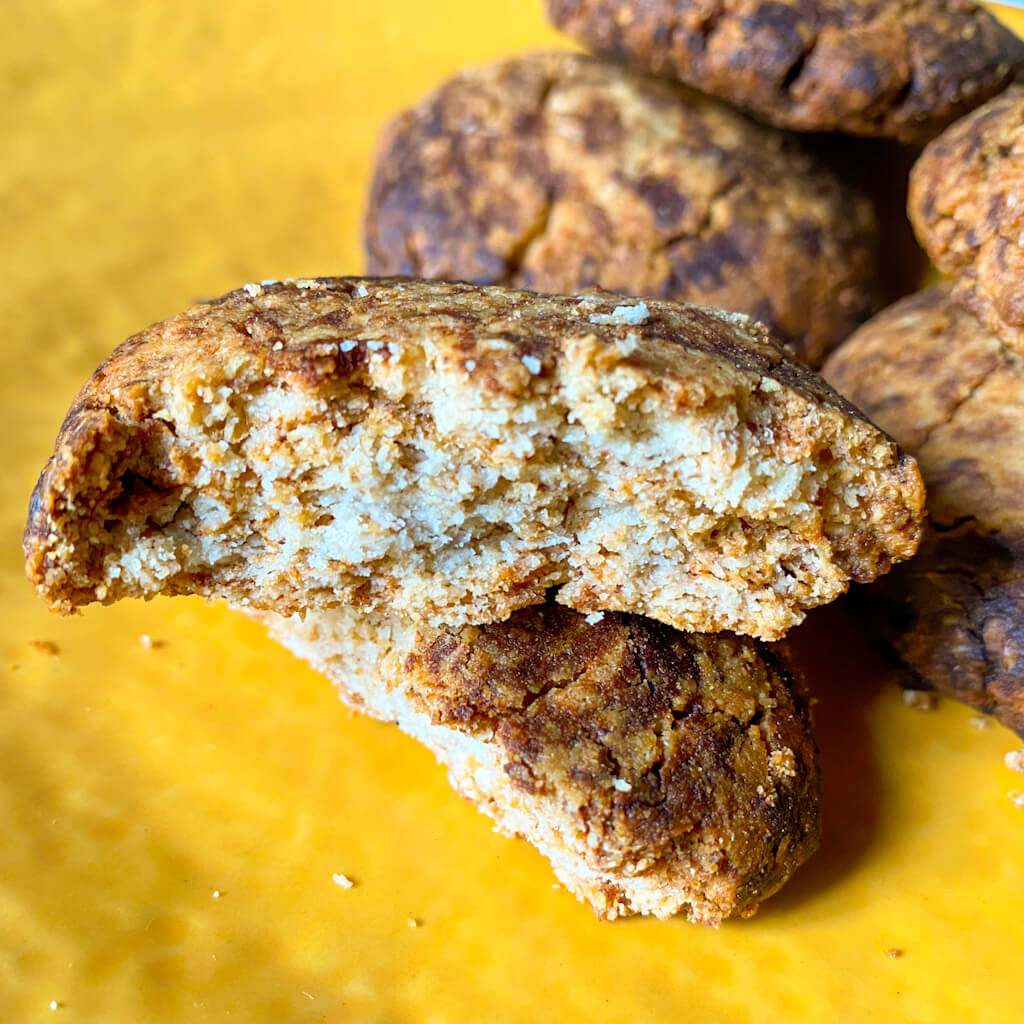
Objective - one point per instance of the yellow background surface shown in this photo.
(171, 818)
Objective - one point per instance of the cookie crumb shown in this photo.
(149, 643)
(413, 922)
(919, 700)
(1016, 797)
(978, 722)
(1014, 760)
(637, 314)
(629, 344)
(783, 762)
(215, 895)
(894, 952)
(45, 647)
(343, 881)
(593, 618)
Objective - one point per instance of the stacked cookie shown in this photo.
(558, 172)
(548, 534)
(415, 482)
(943, 371)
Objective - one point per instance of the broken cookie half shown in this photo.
(447, 453)
(660, 772)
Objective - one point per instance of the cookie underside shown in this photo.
(655, 781)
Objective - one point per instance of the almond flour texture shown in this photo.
(447, 453)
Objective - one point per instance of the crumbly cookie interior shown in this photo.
(437, 489)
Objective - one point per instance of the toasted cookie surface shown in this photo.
(555, 172)
(659, 771)
(896, 68)
(449, 452)
(967, 206)
(929, 372)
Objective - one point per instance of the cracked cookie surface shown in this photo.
(556, 172)
(659, 771)
(895, 68)
(966, 202)
(931, 374)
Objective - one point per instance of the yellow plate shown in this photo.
(172, 815)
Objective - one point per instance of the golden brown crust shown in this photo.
(659, 771)
(662, 737)
(179, 437)
(896, 68)
(930, 373)
(967, 207)
(556, 172)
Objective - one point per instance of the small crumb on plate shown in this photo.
(919, 700)
(343, 881)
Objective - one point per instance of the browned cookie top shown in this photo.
(556, 172)
(967, 205)
(931, 374)
(895, 68)
(663, 737)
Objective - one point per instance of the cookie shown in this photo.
(557, 172)
(900, 70)
(967, 206)
(448, 452)
(931, 374)
(660, 772)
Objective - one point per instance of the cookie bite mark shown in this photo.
(448, 453)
